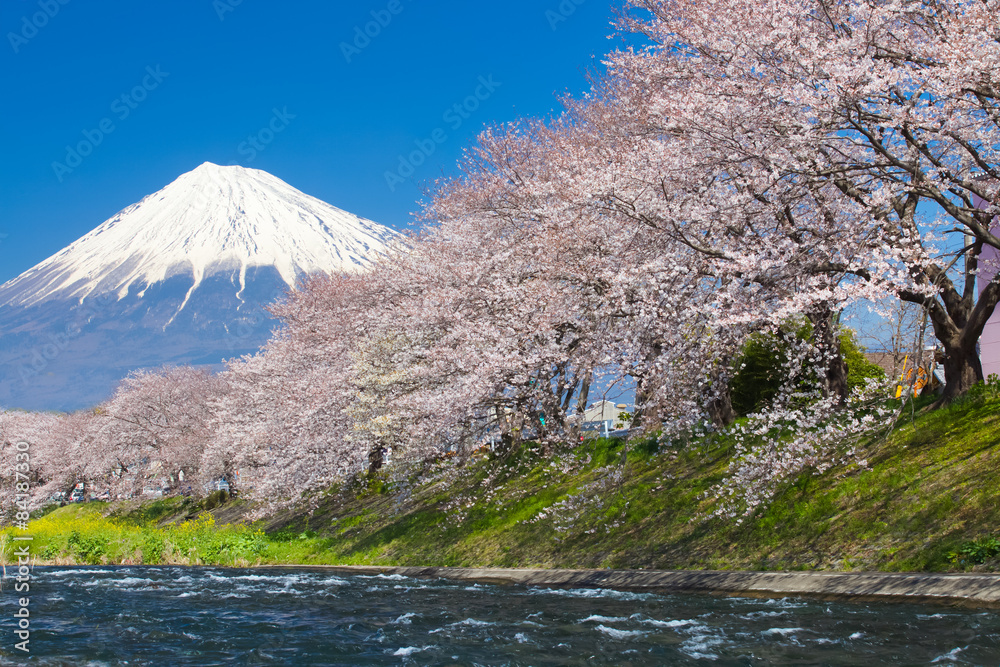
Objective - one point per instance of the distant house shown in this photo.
(603, 411)
(887, 361)
(601, 416)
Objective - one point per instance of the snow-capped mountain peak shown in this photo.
(182, 277)
(212, 219)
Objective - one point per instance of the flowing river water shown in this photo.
(166, 616)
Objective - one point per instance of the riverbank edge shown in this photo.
(959, 589)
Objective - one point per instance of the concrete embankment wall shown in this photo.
(972, 590)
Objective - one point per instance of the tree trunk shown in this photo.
(581, 400)
(581, 405)
(826, 334)
(511, 424)
(962, 369)
(643, 393)
(958, 319)
(720, 408)
(376, 458)
(836, 374)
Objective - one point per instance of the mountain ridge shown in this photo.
(182, 276)
(206, 221)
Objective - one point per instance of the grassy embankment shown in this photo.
(929, 501)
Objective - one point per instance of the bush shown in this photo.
(976, 552)
(760, 368)
(88, 548)
(759, 376)
(859, 369)
(983, 392)
(152, 546)
(761, 373)
(205, 542)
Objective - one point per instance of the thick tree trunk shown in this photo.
(229, 474)
(581, 401)
(836, 374)
(962, 369)
(958, 320)
(826, 334)
(643, 393)
(511, 428)
(957, 326)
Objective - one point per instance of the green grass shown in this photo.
(927, 501)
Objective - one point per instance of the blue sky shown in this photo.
(152, 90)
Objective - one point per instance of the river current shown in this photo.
(166, 616)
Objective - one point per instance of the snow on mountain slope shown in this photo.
(209, 220)
(182, 277)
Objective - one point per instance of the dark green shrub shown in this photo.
(981, 392)
(605, 451)
(760, 372)
(647, 447)
(976, 552)
(859, 369)
(86, 548)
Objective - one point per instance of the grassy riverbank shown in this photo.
(929, 501)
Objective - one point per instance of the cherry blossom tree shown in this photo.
(155, 427)
(282, 421)
(27, 447)
(747, 165)
(892, 105)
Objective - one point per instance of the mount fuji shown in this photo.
(181, 277)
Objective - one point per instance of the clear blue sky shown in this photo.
(187, 81)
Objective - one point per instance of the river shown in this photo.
(164, 616)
